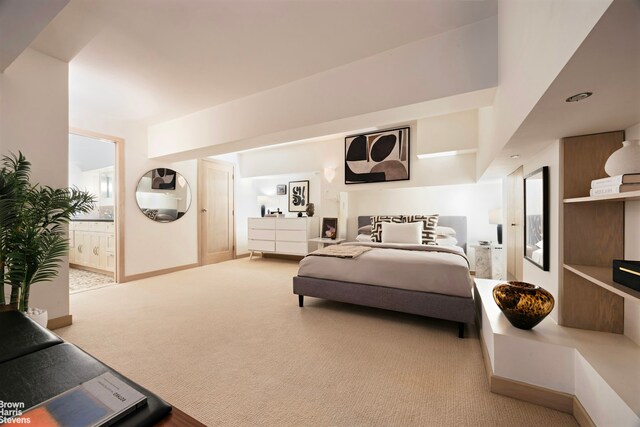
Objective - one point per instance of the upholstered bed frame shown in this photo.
(447, 307)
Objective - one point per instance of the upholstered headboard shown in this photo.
(458, 223)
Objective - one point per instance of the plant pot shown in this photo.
(38, 315)
(523, 304)
(625, 160)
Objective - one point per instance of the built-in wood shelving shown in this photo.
(619, 197)
(603, 277)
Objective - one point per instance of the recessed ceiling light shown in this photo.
(579, 96)
(515, 156)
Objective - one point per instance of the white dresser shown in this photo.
(287, 236)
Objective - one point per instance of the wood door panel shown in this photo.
(514, 226)
(217, 240)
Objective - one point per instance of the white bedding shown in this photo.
(443, 270)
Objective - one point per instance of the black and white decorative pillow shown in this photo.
(429, 224)
(151, 213)
(376, 225)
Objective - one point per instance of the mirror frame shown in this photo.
(545, 218)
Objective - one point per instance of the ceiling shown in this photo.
(607, 64)
(89, 154)
(20, 23)
(153, 60)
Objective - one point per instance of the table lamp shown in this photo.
(495, 217)
(262, 200)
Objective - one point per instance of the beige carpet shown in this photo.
(228, 344)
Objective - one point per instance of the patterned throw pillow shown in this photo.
(376, 225)
(430, 222)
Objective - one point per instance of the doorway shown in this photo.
(95, 239)
(515, 219)
(216, 218)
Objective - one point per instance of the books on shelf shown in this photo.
(100, 401)
(614, 189)
(612, 181)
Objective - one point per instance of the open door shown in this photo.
(216, 216)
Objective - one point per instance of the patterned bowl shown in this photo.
(523, 304)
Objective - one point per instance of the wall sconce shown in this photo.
(329, 174)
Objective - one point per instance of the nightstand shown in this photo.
(323, 241)
(489, 261)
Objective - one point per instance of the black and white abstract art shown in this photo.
(163, 179)
(298, 196)
(377, 157)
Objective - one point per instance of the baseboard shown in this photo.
(581, 415)
(245, 255)
(548, 398)
(60, 322)
(158, 272)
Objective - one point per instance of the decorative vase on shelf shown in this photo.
(624, 160)
(523, 304)
(311, 209)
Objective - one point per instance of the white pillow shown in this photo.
(363, 238)
(410, 232)
(447, 241)
(445, 231)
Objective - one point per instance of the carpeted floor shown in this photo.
(83, 280)
(228, 344)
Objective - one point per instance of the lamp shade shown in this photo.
(262, 200)
(495, 216)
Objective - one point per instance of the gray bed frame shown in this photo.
(447, 307)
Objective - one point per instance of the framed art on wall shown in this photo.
(281, 189)
(380, 156)
(298, 196)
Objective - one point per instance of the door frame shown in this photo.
(515, 220)
(201, 204)
(119, 202)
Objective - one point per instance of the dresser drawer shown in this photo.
(291, 224)
(261, 245)
(291, 235)
(262, 223)
(256, 234)
(293, 248)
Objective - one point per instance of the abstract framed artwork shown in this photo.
(281, 190)
(163, 179)
(329, 228)
(298, 196)
(380, 156)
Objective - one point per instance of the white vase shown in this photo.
(625, 160)
(38, 315)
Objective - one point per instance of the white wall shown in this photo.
(529, 59)
(632, 251)
(452, 63)
(34, 111)
(149, 245)
(450, 132)
(531, 273)
(471, 200)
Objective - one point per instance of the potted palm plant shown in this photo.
(33, 239)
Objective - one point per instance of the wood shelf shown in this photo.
(619, 197)
(602, 276)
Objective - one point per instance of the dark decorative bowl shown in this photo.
(523, 304)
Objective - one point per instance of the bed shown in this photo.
(434, 282)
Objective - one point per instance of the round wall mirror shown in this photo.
(163, 195)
